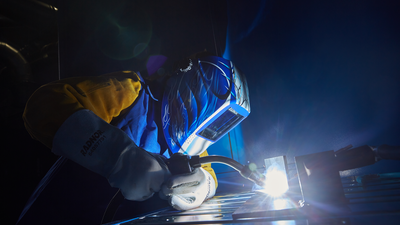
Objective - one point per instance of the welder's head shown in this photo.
(202, 102)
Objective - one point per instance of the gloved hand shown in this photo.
(188, 191)
(93, 143)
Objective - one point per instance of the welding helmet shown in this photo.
(203, 102)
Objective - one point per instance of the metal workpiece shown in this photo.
(319, 179)
(367, 204)
(265, 206)
(219, 210)
(319, 175)
(367, 200)
(322, 197)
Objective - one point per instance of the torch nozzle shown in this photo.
(245, 171)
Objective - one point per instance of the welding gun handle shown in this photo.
(181, 164)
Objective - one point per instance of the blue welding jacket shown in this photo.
(140, 122)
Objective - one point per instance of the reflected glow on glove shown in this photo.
(104, 149)
(188, 191)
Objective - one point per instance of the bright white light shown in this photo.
(275, 183)
(279, 204)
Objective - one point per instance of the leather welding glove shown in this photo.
(102, 148)
(190, 190)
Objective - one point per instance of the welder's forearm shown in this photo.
(53, 103)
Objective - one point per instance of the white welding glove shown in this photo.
(188, 191)
(102, 148)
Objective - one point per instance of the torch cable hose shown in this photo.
(221, 159)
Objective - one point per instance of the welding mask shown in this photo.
(203, 102)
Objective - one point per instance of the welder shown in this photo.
(125, 126)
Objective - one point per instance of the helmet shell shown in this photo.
(202, 103)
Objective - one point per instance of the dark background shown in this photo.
(322, 74)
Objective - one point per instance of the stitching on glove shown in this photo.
(189, 200)
(209, 188)
(190, 184)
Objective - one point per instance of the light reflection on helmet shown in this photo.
(202, 103)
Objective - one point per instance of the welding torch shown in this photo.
(180, 163)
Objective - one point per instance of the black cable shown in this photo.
(213, 31)
(112, 207)
(222, 159)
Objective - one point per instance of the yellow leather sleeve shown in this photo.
(208, 168)
(53, 103)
